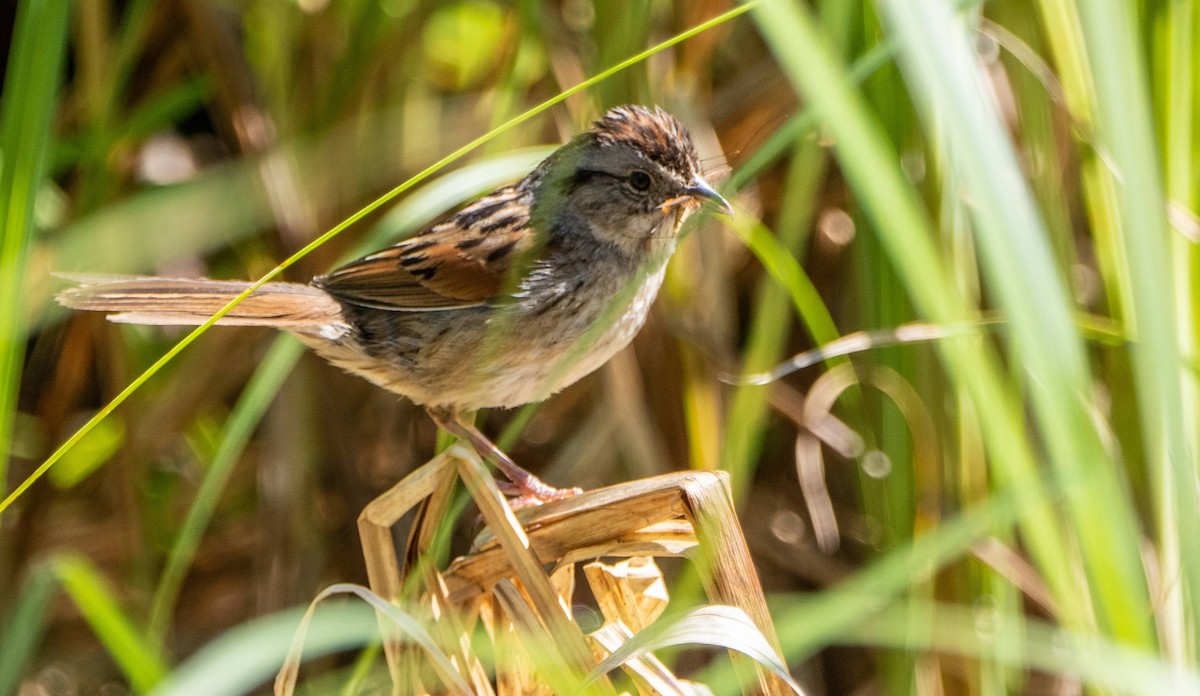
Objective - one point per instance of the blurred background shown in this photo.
(1000, 499)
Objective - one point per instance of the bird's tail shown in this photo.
(191, 301)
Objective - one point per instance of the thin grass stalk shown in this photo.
(881, 299)
(26, 116)
(871, 166)
(997, 675)
(900, 500)
(1014, 34)
(895, 500)
(748, 407)
(1064, 35)
(1175, 73)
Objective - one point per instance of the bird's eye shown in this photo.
(639, 180)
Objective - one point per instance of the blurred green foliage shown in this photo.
(1009, 509)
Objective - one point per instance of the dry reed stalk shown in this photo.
(524, 608)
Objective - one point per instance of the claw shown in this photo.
(529, 490)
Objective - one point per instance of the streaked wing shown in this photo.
(462, 262)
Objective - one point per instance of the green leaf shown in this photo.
(24, 626)
(139, 662)
(26, 115)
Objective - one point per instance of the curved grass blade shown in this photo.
(243, 658)
(406, 626)
(715, 625)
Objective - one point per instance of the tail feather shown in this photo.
(191, 301)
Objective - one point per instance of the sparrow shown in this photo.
(504, 303)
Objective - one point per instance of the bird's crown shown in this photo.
(654, 133)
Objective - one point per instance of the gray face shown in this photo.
(626, 197)
(629, 184)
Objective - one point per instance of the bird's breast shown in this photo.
(560, 326)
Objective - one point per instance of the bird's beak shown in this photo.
(701, 190)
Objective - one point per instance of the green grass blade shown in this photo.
(250, 408)
(787, 272)
(1065, 38)
(23, 627)
(1020, 643)
(1019, 265)
(26, 115)
(1182, 187)
(245, 657)
(140, 663)
(871, 166)
(807, 626)
(1125, 130)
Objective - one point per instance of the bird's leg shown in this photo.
(525, 486)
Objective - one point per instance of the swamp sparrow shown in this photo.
(506, 302)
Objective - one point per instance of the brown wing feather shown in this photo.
(462, 262)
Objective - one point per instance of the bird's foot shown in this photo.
(525, 489)
(532, 491)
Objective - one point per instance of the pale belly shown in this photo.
(476, 359)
